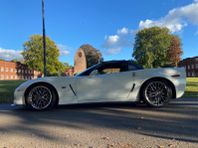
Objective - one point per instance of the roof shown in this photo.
(190, 58)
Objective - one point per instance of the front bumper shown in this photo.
(19, 98)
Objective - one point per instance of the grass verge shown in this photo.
(7, 90)
(191, 88)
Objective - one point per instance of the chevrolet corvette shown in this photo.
(110, 81)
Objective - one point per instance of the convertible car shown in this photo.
(111, 81)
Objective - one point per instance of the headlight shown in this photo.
(19, 89)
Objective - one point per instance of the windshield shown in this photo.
(87, 71)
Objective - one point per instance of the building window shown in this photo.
(188, 66)
(2, 69)
(192, 66)
(7, 77)
(196, 66)
(11, 77)
(193, 74)
(6, 69)
(2, 77)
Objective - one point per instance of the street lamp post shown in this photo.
(44, 39)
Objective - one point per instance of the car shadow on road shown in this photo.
(171, 122)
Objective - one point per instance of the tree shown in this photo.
(33, 55)
(67, 66)
(151, 47)
(175, 51)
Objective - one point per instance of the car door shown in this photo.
(111, 83)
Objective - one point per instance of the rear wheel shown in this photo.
(41, 97)
(157, 93)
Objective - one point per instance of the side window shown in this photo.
(88, 71)
(131, 67)
(110, 70)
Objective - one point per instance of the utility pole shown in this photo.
(44, 39)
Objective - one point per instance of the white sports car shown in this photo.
(112, 81)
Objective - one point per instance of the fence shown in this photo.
(6, 98)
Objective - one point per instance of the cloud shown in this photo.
(124, 30)
(10, 54)
(115, 43)
(63, 49)
(112, 39)
(176, 19)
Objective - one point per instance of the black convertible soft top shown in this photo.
(124, 61)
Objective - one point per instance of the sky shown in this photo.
(108, 25)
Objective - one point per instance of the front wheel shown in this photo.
(157, 93)
(40, 97)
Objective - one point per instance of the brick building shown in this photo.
(191, 66)
(16, 71)
(85, 57)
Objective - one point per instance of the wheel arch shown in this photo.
(42, 83)
(158, 78)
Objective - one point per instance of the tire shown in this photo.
(157, 93)
(41, 97)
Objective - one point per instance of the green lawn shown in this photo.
(7, 89)
(191, 88)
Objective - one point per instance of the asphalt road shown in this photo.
(102, 125)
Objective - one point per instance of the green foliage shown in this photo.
(151, 47)
(33, 55)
